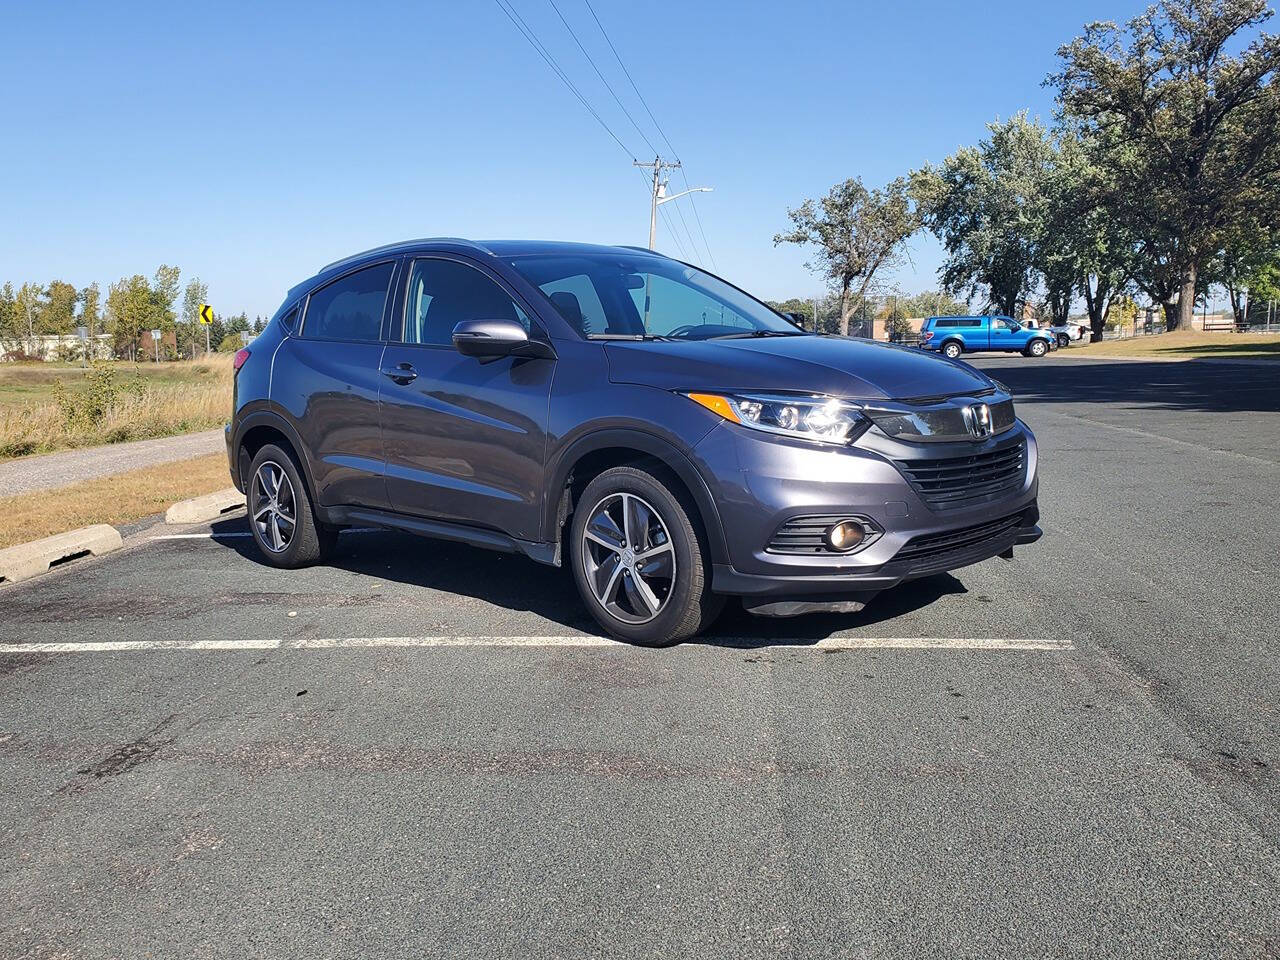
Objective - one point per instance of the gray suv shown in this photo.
(665, 435)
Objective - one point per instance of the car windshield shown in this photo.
(616, 295)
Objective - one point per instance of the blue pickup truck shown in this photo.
(956, 335)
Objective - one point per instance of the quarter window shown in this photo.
(350, 308)
(443, 293)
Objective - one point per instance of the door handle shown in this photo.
(401, 373)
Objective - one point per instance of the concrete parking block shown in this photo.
(32, 559)
(202, 509)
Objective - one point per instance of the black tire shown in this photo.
(687, 607)
(1064, 340)
(952, 349)
(1037, 348)
(309, 541)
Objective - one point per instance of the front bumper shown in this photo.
(759, 483)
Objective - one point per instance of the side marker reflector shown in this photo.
(716, 404)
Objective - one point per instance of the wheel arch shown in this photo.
(258, 429)
(596, 452)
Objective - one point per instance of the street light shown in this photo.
(660, 197)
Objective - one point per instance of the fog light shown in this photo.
(845, 535)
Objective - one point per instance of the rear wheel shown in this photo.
(952, 350)
(638, 561)
(1037, 348)
(281, 518)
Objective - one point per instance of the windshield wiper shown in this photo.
(761, 333)
(626, 336)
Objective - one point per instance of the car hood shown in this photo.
(836, 366)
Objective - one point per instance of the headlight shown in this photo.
(821, 419)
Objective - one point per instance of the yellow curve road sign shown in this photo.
(206, 314)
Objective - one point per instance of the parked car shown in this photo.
(1067, 333)
(1033, 324)
(953, 336)
(665, 435)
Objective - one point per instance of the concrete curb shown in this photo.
(209, 507)
(29, 560)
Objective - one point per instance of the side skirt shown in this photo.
(547, 553)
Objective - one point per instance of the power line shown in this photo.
(657, 125)
(662, 133)
(508, 8)
(601, 76)
(528, 34)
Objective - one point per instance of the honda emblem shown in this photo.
(977, 420)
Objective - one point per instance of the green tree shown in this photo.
(91, 308)
(800, 305)
(30, 305)
(1247, 261)
(59, 314)
(1083, 248)
(933, 303)
(10, 327)
(987, 204)
(164, 292)
(1189, 130)
(856, 233)
(131, 308)
(195, 294)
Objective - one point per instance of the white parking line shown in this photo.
(581, 640)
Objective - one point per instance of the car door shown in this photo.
(465, 439)
(326, 378)
(1006, 334)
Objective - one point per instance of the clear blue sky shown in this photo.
(250, 144)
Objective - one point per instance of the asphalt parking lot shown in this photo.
(1073, 753)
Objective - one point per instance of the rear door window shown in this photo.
(350, 308)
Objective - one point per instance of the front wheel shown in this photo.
(952, 350)
(1037, 348)
(638, 561)
(1064, 340)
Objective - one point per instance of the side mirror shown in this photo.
(491, 339)
(797, 318)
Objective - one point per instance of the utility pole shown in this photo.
(658, 195)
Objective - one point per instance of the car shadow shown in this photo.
(1190, 385)
(519, 584)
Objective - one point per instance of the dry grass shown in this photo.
(118, 499)
(159, 400)
(1183, 344)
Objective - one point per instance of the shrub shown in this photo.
(27, 353)
(107, 407)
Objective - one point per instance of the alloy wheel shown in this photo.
(274, 507)
(628, 558)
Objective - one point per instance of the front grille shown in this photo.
(806, 535)
(935, 551)
(959, 481)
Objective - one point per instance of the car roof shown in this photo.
(493, 248)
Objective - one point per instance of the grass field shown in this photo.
(47, 407)
(118, 499)
(1184, 345)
